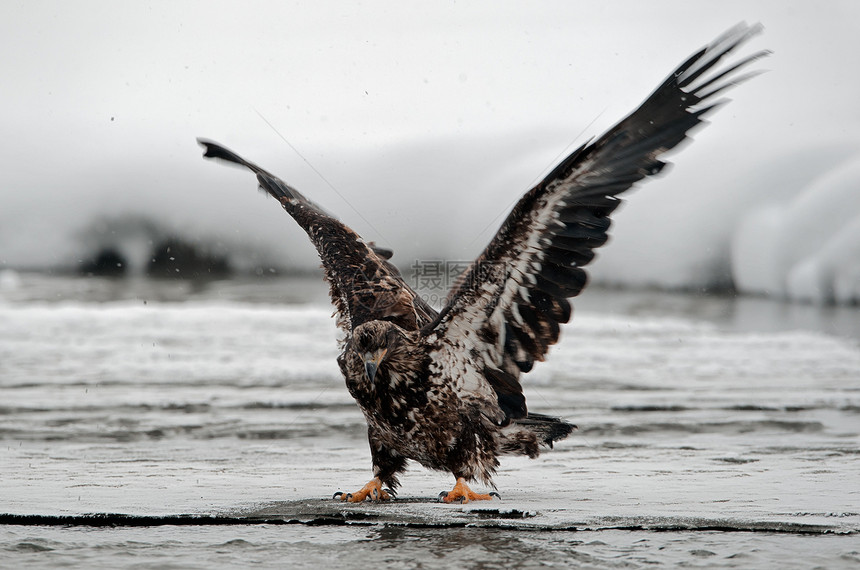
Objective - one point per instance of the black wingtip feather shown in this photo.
(215, 150)
(714, 52)
(270, 183)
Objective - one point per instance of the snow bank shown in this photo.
(806, 248)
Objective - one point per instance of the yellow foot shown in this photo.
(373, 489)
(462, 493)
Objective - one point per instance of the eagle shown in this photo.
(442, 388)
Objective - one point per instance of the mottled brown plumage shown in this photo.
(443, 389)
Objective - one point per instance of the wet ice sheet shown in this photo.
(425, 548)
(229, 409)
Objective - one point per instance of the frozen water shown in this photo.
(358, 546)
(740, 446)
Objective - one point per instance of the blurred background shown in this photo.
(419, 126)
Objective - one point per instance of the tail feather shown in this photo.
(526, 435)
(547, 428)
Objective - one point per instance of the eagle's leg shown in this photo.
(386, 465)
(373, 489)
(462, 492)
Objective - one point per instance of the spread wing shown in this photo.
(505, 310)
(364, 285)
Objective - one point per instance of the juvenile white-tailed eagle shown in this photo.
(443, 389)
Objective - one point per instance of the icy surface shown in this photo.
(741, 447)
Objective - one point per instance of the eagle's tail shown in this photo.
(524, 436)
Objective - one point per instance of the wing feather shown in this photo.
(515, 294)
(364, 285)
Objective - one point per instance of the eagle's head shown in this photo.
(374, 341)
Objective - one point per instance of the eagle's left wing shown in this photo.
(505, 310)
(364, 285)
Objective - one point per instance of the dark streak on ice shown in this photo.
(322, 514)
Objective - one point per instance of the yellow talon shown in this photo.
(373, 489)
(462, 492)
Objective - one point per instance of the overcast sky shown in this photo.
(425, 120)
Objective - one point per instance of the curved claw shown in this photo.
(442, 496)
(373, 490)
(461, 493)
(496, 495)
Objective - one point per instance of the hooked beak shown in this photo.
(372, 365)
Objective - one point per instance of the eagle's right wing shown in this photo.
(364, 285)
(505, 311)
